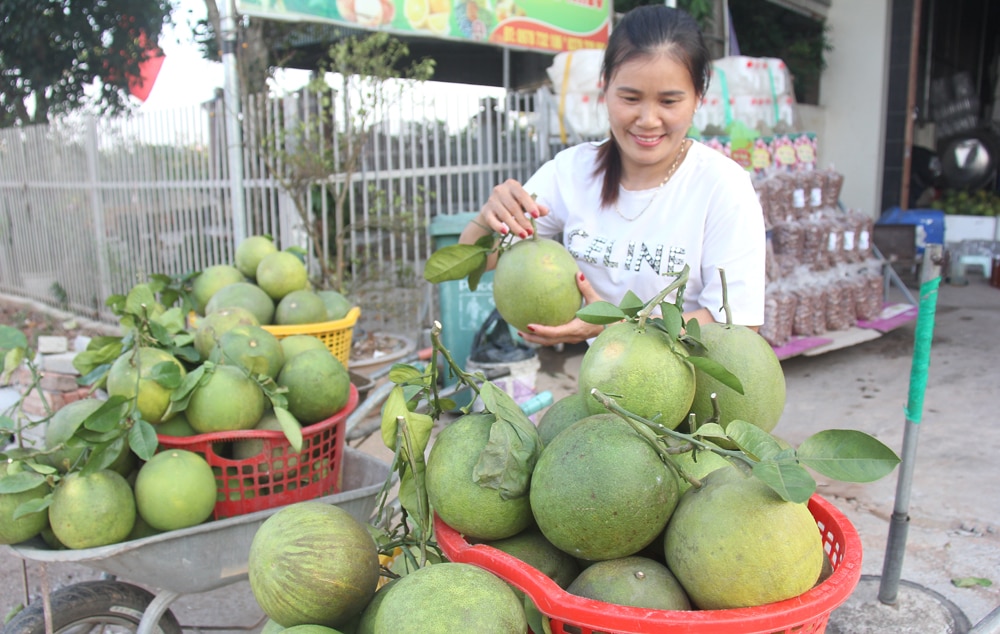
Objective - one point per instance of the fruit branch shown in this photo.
(725, 298)
(679, 283)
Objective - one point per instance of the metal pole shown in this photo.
(234, 131)
(899, 524)
(911, 106)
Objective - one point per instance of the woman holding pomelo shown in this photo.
(637, 207)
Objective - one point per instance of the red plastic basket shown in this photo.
(278, 475)
(571, 614)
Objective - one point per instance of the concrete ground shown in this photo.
(953, 507)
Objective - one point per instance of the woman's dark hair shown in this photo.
(644, 31)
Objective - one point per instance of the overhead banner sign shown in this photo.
(547, 25)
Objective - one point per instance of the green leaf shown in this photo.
(139, 300)
(20, 482)
(167, 374)
(847, 455)
(753, 440)
(791, 481)
(104, 455)
(291, 427)
(717, 371)
(11, 361)
(142, 439)
(182, 393)
(631, 304)
(476, 275)
(509, 456)
(971, 582)
(711, 430)
(419, 425)
(36, 505)
(7, 424)
(693, 329)
(108, 416)
(403, 373)
(601, 313)
(412, 496)
(673, 321)
(454, 262)
(11, 338)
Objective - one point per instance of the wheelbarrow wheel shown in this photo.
(105, 606)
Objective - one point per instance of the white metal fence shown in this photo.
(91, 206)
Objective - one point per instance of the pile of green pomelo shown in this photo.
(237, 357)
(606, 517)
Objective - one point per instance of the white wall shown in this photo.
(850, 120)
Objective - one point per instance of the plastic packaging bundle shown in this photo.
(779, 315)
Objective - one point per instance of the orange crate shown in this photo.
(571, 614)
(278, 475)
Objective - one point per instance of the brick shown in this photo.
(58, 382)
(32, 403)
(52, 345)
(78, 394)
(62, 363)
(21, 377)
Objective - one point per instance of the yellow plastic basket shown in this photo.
(335, 334)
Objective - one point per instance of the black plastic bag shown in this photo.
(494, 344)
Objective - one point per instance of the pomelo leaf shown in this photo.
(476, 275)
(32, 506)
(142, 440)
(19, 482)
(290, 427)
(104, 455)
(692, 329)
(160, 333)
(185, 352)
(180, 396)
(971, 582)
(753, 440)
(847, 455)
(107, 417)
(401, 373)
(412, 497)
(454, 262)
(509, 457)
(791, 481)
(167, 374)
(601, 313)
(11, 361)
(631, 304)
(11, 338)
(394, 407)
(711, 430)
(673, 322)
(7, 424)
(139, 298)
(717, 371)
(94, 376)
(171, 319)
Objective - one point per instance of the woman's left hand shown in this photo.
(574, 331)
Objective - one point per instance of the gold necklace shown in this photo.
(685, 144)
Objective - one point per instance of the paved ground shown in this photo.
(954, 511)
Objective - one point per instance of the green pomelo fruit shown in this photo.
(311, 629)
(734, 527)
(61, 427)
(337, 305)
(175, 489)
(92, 510)
(705, 463)
(134, 375)
(561, 415)
(209, 281)
(448, 598)
(752, 359)
(300, 307)
(535, 283)
(644, 371)
(633, 581)
(403, 563)
(14, 531)
(318, 385)
(243, 295)
(141, 529)
(294, 344)
(476, 511)
(211, 327)
(531, 547)
(243, 449)
(178, 426)
(278, 274)
(366, 620)
(313, 563)
(251, 251)
(252, 348)
(228, 401)
(600, 491)
(271, 627)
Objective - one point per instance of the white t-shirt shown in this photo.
(707, 216)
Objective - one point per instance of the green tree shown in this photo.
(52, 52)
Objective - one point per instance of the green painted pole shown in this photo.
(892, 566)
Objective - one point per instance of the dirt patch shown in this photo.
(35, 320)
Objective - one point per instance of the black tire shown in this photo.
(92, 606)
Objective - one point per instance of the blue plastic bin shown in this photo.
(930, 224)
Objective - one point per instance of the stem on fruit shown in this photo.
(651, 305)
(463, 376)
(725, 298)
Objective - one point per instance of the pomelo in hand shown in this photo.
(210, 328)
(313, 563)
(450, 597)
(752, 359)
(253, 349)
(734, 527)
(535, 283)
(462, 503)
(243, 295)
(318, 385)
(644, 370)
(228, 401)
(134, 375)
(210, 280)
(251, 251)
(175, 489)
(337, 305)
(600, 491)
(300, 307)
(634, 581)
(92, 510)
(14, 531)
(281, 273)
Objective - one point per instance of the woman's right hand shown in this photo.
(510, 208)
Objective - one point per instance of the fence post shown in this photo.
(97, 209)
